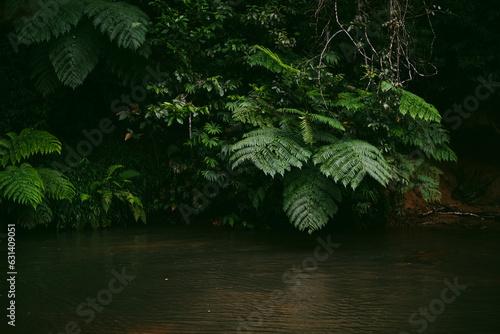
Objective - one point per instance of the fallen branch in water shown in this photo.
(447, 210)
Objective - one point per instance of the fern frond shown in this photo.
(351, 101)
(431, 138)
(128, 174)
(57, 186)
(253, 110)
(127, 24)
(271, 150)
(307, 129)
(75, 55)
(427, 180)
(50, 19)
(22, 185)
(271, 61)
(107, 198)
(310, 199)
(27, 143)
(46, 81)
(349, 160)
(416, 106)
(112, 169)
(331, 122)
(413, 104)
(136, 207)
(325, 137)
(29, 217)
(306, 123)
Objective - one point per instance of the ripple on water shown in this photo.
(220, 282)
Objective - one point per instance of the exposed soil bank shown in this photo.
(470, 188)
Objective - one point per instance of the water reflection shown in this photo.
(198, 281)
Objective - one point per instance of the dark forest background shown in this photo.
(248, 114)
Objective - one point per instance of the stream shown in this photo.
(427, 279)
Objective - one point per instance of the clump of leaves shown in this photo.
(29, 189)
(103, 200)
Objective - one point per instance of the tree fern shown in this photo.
(349, 160)
(253, 109)
(431, 138)
(29, 218)
(75, 55)
(69, 37)
(252, 112)
(49, 21)
(416, 106)
(46, 80)
(27, 143)
(57, 186)
(307, 121)
(309, 199)
(123, 23)
(413, 105)
(22, 185)
(271, 61)
(271, 150)
(27, 185)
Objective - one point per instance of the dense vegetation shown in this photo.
(241, 113)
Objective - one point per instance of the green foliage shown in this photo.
(309, 199)
(105, 193)
(74, 56)
(26, 185)
(234, 220)
(255, 109)
(22, 185)
(50, 20)
(29, 142)
(70, 41)
(272, 150)
(349, 160)
(308, 120)
(413, 105)
(271, 61)
(293, 108)
(31, 218)
(343, 137)
(121, 21)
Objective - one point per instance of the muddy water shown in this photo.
(415, 280)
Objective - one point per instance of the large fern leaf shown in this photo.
(307, 121)
(57, 186)
(271, 150)
(22, 185)
(27, 143)
(75, 55)
(30, 218)
(431, 138)
(252, 112)
(122, 22)
(413, 105)
(349, 160)
(416, 106)
(310, 199)
(46, 80)
(50, 19)
(271, 61)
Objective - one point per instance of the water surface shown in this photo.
(191, 280)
